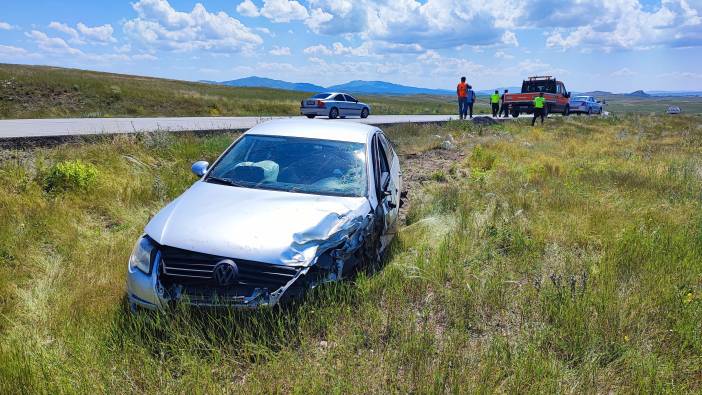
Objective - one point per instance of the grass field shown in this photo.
(560, 259)
(46, 92)
(52, 92)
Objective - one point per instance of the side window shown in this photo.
(380, 165)
(350, 98)
(387, 149)
(339, 98)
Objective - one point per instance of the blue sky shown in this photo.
(615, 45)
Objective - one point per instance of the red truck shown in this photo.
(555, 93)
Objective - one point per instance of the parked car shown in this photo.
(674, 110)
(288, 206)
(585, 105)
(334, 105)
(554, 92)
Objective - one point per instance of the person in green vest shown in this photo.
(495, 101)
(539, 103)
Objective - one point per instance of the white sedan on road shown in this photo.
(334, 105)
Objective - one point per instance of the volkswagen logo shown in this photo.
(225, 273)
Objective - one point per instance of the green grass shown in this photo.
(560, 259)
(50, 92)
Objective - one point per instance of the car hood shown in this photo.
(254, 224)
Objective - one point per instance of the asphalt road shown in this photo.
(20, 128)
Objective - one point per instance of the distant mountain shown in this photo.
(260, 82)
(638, 94)
(386, 88)
(368, 87)
(676, 93)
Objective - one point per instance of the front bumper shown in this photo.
(147, 291)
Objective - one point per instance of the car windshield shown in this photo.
(321, 95)
(581, 98)
(294, 164)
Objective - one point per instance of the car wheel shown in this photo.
(547, 110)
(515, 114)
(364, 113)
(310, 116)
(589, 111)
(334, 113)
(566, 111)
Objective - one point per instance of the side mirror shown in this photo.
(199, 168)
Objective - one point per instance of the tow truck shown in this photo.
(555, 93)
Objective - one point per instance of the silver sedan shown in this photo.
(334, 105)
(585, 105)
(290, 205)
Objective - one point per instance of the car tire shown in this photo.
(365, 113)
(566, 111)
(334, 113)
(311, 116)
(589, 111)
(547, 110)
(515, 114)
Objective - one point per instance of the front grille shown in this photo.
(194, 269)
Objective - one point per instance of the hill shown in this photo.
(357, 86)
(260, 82)
(53, 92)
(386, 88)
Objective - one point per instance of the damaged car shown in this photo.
(290, 205)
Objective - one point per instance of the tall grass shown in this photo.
(559, 259)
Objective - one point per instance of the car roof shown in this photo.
(316, 129)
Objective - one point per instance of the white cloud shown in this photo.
(432, 24)
(509, 38)
(620, 24)
(503, 55)
(52, 44)
(99, 34)
(281, 11)
(83, 33)
(67, 30)
(5, 26)
(280, 51)
(319, 49)
(159, 25)
(248, 8)
(8, 50)
(265, 31)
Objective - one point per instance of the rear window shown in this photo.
(581, 98)
(321, 95)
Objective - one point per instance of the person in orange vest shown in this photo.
(462, 93)
(539, 103)
(495, 102)
(504, 109)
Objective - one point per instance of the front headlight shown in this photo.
(142, 256)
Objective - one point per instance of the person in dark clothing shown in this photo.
(471, 100)
(539, 102)
(503, 108)
(495, 102)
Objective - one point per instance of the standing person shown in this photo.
(504, 109)
(471, 100)
(538, 108)
(462, 92)
(495, 102)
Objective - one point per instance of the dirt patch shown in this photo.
(418, 168)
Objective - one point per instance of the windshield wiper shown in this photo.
(224, 181)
